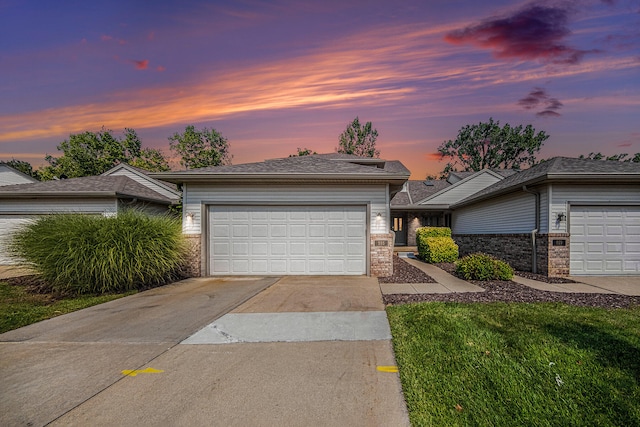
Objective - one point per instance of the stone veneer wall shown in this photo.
(414, 221)
(193, 267)
(559, 256)
(382, 256)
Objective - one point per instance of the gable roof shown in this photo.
(142, 177)
(316, 168)
(10, 176)
(86, 187)
(416, 191)
(561, 169)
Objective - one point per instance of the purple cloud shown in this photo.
(539, 98)
(532, 33)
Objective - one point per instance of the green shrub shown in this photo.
(439, 249)
(92, 254)
(480, 266)
(436, 245)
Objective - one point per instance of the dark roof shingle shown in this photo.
(94, 185)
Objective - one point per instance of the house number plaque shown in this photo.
(560, 242)
(381, 243)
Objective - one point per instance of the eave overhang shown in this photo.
(281, 178)
(81, 195)
(552, 178)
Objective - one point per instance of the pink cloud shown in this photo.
(160, 68)
(142, 64)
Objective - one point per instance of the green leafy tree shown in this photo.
(359, 140)
(22, 166)
(91, 153)
(151, 159)
(622, 157)
(303, 152)
(200, 148)
(488, 145)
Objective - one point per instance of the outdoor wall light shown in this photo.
(561, 217)
(379, 216)
(190, 215)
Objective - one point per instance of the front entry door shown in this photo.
(399, 225)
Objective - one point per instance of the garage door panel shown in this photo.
(277, 231)
(605, 240)
(288, 239)
(259, 230)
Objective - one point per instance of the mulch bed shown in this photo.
(403, 272)
(508, 291)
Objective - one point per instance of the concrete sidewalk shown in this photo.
(621, 285)
(446, 283)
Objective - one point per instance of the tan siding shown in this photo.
(509, 214)
(197, 195)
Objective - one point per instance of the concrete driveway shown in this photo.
(149, 359)
(624, 285)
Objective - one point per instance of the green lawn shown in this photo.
(511, 364)
(20, 308)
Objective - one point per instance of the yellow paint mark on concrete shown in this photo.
(388, 368)
(133, 373)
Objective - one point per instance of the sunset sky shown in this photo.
(273, 76)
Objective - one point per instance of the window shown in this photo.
(397, 224)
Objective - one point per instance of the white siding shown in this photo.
(463, 189)
(9, 176)
(146, 181)
(562, 195)
(198, 195)
(514, 213)
(44, 206)
(8, 225)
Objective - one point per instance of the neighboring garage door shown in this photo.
(9, 224)
(313, 240)
(605, 240)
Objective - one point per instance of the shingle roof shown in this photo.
(85, 187)
(313, 165)
(564, 169)
(418, 190)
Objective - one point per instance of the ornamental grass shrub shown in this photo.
(91, 254)
(436, 245)
(480, 266)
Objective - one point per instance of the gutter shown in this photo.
(261, 177)
(534, 251)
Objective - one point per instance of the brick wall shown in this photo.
(512, 248)
(552, 260)
(193, 267)
(382, 256)
(559, 255)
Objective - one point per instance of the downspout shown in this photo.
(534, 251)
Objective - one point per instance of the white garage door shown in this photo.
(8, 224)
(605, 240)
(277, 240)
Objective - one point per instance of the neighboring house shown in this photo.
(324, 214)
(105, 195)
(11, 176)
(427, 203)
(563, 216)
